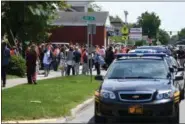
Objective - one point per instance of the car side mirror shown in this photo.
(178, 77)
(99, 78)
(171, 69)
(180, 69)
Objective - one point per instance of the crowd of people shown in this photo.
(65, 58)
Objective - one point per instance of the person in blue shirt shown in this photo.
(99, 61)
(5, 57)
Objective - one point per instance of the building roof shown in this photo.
(76, 18)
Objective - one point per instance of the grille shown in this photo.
(135, 96)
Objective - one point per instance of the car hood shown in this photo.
(135, 84)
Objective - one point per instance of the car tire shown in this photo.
(99, 119)
(175, 120)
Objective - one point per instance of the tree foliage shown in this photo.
(94, 8)
(115, 19)
(28, 20)
(163, 36)
(150, 23)
(182, 34)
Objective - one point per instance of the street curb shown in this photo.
(74, 112)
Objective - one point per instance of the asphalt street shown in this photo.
(87, 115)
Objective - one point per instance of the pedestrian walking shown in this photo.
(70, 62)
(77, 56)
(31, 59)
(5, 58)
(47, 60)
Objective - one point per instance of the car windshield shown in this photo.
(150, 69)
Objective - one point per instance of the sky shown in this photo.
(172, 14)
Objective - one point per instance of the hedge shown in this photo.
(17, 66)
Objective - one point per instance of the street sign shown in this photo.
(92, 28)
(89, 18)
(124, 30)
(136, 34)
(135, 30)
(125, 38)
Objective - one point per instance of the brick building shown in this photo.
(74, 28)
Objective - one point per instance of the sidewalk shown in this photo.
(14, 82)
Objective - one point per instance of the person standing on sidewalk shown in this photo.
(99, 61)
(38, 60)
(5, 58)
(70, 61)
(31, 59)
(56, 58)
(47, 60)
(85, 67)
(62, 65)
(102, 51)
(109, 57)
(77, 56)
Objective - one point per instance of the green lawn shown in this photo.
(57, 97)
(12, 76)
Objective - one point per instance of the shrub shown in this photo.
(17, 66)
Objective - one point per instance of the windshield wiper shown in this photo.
(139, 77)
(116, 78)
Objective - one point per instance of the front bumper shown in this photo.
(153, 110)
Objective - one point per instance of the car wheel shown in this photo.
(99, 119)
(175, 120)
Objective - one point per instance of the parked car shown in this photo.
(138, 86)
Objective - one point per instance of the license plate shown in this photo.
(135, 109)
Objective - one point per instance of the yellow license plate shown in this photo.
(135, 109)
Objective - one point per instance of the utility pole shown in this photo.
(126, 14)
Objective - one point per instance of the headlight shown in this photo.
(107, 94)
(164, 95)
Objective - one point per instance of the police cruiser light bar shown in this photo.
(140, 55)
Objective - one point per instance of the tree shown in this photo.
(28, 20)
(139, 43)
(181, 34)
(150, 23)
(163, 36)
(115, 19)
(94, 8)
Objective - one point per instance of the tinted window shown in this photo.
(138, 68)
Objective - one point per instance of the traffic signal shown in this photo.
(170, 32)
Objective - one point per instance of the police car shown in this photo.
(141, 86)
